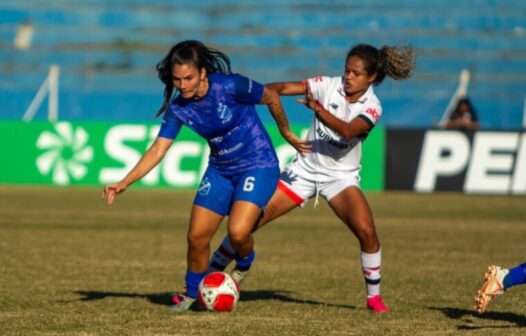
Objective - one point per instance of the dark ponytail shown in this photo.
(189, 52)
(396, 62)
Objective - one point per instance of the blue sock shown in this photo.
(516, 276)
(192, 280)
(243, 264)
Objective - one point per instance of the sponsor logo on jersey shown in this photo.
(372, 112)
(334, 106)
(230, 150)
(217, 139)
(220, 138)
(330, 140)
(224, 113)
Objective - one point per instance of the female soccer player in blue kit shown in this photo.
(243, 167)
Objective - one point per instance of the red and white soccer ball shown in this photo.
(218, 291)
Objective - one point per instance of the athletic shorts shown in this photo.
(217, 191)
(301, 185)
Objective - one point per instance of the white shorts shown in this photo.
(301, 185)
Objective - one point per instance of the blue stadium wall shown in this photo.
(107, 51)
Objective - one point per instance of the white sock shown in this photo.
(371, 266)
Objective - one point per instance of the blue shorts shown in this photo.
(217, 192)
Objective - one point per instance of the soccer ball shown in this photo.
(218, 291)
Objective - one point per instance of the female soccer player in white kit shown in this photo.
(346, 109)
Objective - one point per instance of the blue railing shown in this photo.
(107, 51)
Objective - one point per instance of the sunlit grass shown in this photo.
(73, 266)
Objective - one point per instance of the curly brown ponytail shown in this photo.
(396, 62)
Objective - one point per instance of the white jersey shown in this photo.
(333, 156)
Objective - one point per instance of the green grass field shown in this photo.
(70, 265)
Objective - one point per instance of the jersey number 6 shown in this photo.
(249, 183)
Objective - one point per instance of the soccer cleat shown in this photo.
(182, 303)
(376, 304)
(492, 287)
(239, 276)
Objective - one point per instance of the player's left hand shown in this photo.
(111, 191)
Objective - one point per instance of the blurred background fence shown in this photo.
(107, 51)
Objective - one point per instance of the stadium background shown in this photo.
(71, 265)
(107, 51)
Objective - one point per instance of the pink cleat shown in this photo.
(376, 304)
(182, 303)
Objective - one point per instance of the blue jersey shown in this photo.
(226, 117)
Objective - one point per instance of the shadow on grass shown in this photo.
(468, 318)
(284, 296)
(157, 298)
(166, 298)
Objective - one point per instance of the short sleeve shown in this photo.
(371, 114)
(318, 86)
(245, 90)
(170, 126)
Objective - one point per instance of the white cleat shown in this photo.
(492, 287)
(239, 276)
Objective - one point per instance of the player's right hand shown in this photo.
(302, 146)
(112, 190)
(309, 100)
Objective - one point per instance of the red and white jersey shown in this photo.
(333, 156)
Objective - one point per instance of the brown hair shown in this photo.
(189, 52)
(396, 62)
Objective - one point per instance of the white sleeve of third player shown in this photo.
(318, 86)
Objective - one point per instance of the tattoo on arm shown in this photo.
(276, 109)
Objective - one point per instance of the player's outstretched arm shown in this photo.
(287, 88)
(271, 99)
(148, 161)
